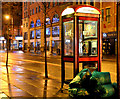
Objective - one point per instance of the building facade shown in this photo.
(33, 21)
(109, 32)
(11, 26)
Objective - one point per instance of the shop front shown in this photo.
(2, 43)
(109, 43)
(17, 43)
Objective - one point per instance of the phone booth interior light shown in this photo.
(81, 38)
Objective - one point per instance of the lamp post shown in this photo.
(23, 37)
(7, 17)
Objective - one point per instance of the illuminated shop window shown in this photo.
(38, 34)
(87, 38)
(55, 31)
(32, 35)
(68, 38)
(32, 24)
(48, 32)
(55, 18)
(47, 21)
(38, 23)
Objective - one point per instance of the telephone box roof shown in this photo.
(80, 9)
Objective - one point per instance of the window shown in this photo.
(55, 31)
(55, 18)
(91, 3)
(32, 24)
(36, 9)
(26, 24)
(57, 2)
(48, 4)
(80, 1)
(33, 11)
(30, 12)
(76, 1)
(102, 14)
(32, 46)
(24, 14)
(88, 38)
(108, 15)
(24, 4)
(84, 1)
(53, 3)
(38, 34)
(39, 8)
(25, 46)
(68, 38)
(48, 32)
(38, 23)
(32, 35)
(25, 36)
(47, 21)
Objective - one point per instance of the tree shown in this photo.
(45, 11)
(45, 45)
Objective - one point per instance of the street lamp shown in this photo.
(7, 17)
(21, 26)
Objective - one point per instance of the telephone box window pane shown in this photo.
(68, 38)
(87, 38)
(90, 29)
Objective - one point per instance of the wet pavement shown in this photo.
(25, 77)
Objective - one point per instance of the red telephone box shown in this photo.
(81, 38)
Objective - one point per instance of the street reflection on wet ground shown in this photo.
(23, 82)
(25, 76)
